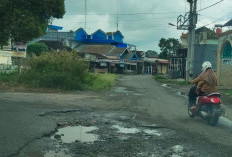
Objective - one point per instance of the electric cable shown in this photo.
(210, 5)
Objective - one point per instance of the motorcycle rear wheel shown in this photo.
(213, 118)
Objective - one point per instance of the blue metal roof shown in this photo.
(55, 27)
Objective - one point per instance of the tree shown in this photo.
(23, 20)
(168, 47)
(151, 53)
(36, 48)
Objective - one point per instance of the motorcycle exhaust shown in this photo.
(204, 114)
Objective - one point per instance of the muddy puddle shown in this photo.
(71, 134)
(126, 130)
(124, 91)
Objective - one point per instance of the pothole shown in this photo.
(60, 153)
(152, 132)
(71, 134)
(126, 130)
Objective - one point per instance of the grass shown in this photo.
(164, 79)
(102, 81)
(95, 82)
(229, 92)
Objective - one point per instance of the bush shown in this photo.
(101, 81)
(36, 48)
(56, 70)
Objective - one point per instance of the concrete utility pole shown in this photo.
(191, 42)
(188, 22)
(85, 13)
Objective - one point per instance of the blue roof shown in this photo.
(55, 27)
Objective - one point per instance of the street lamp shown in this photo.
(171, 24)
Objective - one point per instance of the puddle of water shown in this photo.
(126, 130)
(153, 132)
(77, 133)
(53, 153)
(138, 94)
(164, 85)
(178, 148)
(120, 90)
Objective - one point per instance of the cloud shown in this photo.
(142, 22)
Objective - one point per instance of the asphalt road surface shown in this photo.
(138, 117)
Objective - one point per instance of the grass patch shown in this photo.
(229, 92)
(164, 79)
(101, 81)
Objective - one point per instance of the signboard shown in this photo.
(122, 65)
(19, 49)
(227, 61)
(103, 64)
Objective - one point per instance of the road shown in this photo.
(138, 117)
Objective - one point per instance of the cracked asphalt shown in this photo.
(138, 117)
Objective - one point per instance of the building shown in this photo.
(205, 50)
(104, 51)
(154, 65)
(224, 57)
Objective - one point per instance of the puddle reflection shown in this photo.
(76, 133)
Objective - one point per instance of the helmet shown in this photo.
(206, 65)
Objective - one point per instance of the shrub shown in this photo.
(55, 70)
(101, 81)
(36, 48)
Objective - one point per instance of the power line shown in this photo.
(211, 5)
(131, 29)
(126, 20)
(220, 18)
(151, 13)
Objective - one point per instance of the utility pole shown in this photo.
(85, 13)
(117, 15)
(188, 22)
(192, 26)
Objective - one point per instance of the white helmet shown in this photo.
(206, 65)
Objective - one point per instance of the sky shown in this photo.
(142, 22)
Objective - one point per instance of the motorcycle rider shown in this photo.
(206, 82)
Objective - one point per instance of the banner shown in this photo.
(19, 49)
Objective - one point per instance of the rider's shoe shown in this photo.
(193, 108)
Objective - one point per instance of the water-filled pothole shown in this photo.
(126, 130)
(76, 133)
(152, 132)
(60, 153)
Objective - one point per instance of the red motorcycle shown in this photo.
(208, 107)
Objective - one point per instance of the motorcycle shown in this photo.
(208, 107)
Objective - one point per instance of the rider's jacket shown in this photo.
(206, 81)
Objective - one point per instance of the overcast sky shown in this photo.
(142, 22)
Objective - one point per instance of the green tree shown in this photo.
(23, 20)
(151, 53)
(168, 47)
(36, 48)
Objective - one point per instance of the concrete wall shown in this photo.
(5, 57)
(162, 69)
(224, 71)
(204, 53)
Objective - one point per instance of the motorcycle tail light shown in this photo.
(215, 100)
(210, 99)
